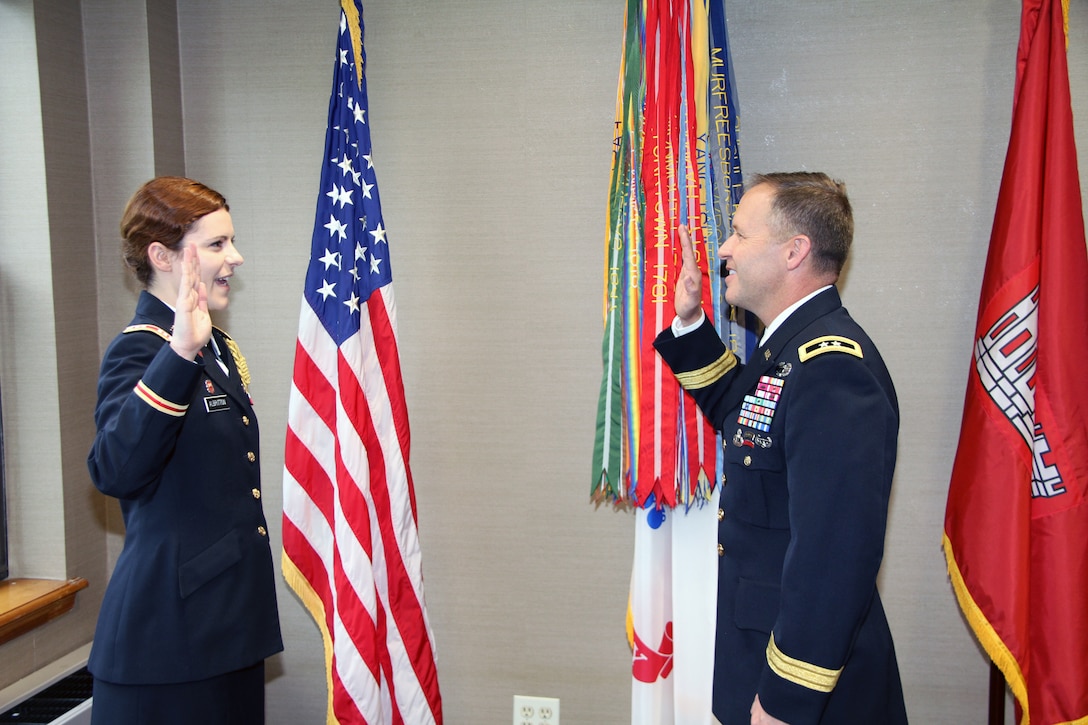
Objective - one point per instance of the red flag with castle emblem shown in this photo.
(1016, 524)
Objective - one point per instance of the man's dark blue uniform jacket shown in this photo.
(809, 428)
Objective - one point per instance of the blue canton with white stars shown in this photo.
(349, 257)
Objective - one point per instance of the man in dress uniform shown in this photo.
(809, 430)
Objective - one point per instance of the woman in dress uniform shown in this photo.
(189, 614)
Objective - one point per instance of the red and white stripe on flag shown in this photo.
(350, 539)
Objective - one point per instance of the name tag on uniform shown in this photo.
(216, 403)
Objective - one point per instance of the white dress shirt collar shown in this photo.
(784, 314)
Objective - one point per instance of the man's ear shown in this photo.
(798, 249)
(160, 257)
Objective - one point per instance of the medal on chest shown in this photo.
(758, 409)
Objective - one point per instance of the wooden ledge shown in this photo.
(29, 603)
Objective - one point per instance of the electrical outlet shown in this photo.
(536, 710)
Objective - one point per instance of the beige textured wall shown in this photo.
(492, 125)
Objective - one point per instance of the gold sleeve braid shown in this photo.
(704, 376)
(799, 672)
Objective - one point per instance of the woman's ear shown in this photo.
(160, 257)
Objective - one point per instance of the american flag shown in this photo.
(350, 542)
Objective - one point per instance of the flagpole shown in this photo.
(997, 696)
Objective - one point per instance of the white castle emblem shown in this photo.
(1006, 358)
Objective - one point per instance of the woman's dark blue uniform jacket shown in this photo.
(809, 429)
(193, 592)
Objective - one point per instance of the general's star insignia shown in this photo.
(828, 343)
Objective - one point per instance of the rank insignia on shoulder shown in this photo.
(828, 343)
(148, 328)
